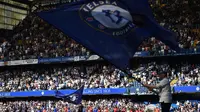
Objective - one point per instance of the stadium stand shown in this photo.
(33, 38)
(102, 105)
(94, 76)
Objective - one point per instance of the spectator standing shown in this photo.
(164, 91)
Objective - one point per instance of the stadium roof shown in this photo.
(27, 2)
(19, 4)
(12, 12)
(19, 9)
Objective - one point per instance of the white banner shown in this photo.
(23, 62)
(30, 61)
(16, 62)
(2, 64)
(93, 57)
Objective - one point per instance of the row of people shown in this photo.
(101, 105)
(34, 38)
(93, 76)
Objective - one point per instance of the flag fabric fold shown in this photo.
(113, 29)
(74, 98)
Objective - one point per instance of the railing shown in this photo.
(98, 91)
(89, 58)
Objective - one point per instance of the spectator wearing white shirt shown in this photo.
(164, 91)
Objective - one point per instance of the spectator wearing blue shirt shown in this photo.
(55, 109)
(95, 109)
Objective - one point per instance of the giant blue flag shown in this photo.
(74, 98)
(113, 29)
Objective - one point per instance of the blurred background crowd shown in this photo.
(101, 105)
(94, 76)
(180, 16)
(34, 38)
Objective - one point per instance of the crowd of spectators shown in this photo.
(34, 38)
(101, 105)
(37, 39)
(93, 76)
(185, 74)
(182, 17)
